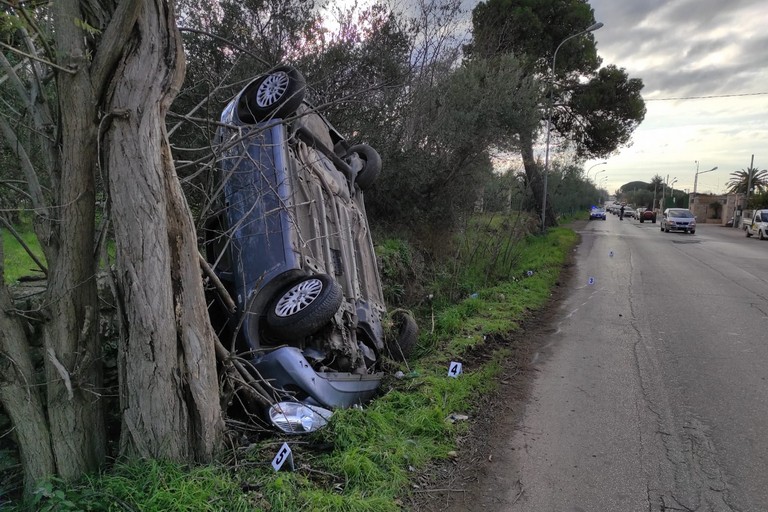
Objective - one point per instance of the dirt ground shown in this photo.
(484, 462)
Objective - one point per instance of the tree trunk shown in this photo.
(535, 179)
(169, 387)
(71, 345)
(19, 394)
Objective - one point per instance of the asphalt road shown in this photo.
(652, 392)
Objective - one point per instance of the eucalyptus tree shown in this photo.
(596, 108)
(91, 83)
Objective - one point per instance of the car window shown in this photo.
(764, 217)
(681, 213)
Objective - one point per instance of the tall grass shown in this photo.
(365, 459)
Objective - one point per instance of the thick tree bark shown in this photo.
(71, 345)
(169, 391)
(19, 394)
(535, 179)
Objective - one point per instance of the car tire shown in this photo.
(304, 307)
(654, 221)
(693, 231)
(407, 331)
(372, 165)
(641, 221)
(747, 233)
(277, 93)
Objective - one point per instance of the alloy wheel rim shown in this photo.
(272, 89)
(299, 297)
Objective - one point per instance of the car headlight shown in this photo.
(298, 418)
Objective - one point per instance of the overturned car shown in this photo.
(290, 241)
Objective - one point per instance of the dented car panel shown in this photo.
(295, 250)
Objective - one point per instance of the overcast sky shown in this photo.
(682, 49)
(712, 51)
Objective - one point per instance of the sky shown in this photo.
(711, 50)
(704, 64)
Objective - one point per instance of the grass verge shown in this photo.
(366, 459)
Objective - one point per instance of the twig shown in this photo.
(24, 54)
(23, 244)
(223, 293)
(62, 371)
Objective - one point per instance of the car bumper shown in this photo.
(681, 228)
(287, 369)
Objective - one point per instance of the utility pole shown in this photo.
(749, 180)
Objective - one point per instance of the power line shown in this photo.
(708, 97)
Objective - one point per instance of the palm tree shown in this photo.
(740, 180)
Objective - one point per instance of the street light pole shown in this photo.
(598, 172)
(600, 187)
(696, 177)
(591, 28)
(695, 182)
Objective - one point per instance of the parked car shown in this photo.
(678, 219)
(757, 224)
(644, 214)
(291, 243)
(597, 213)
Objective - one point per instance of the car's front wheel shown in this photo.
(305, 306)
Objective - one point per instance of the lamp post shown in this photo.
(591, 28)
(695, 182)
(598, 172)
(664, 187)
(600, 185)
(696, 177)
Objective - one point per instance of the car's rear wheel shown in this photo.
(371, 165)
(305, 306)
(277, 93)
(407, 335)
(693, 231)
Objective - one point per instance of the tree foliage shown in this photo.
(595, 109)
(751, 177)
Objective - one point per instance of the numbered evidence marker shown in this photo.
(454, 369)
(283, 454)
(591, 281)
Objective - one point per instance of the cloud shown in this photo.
(690, 48)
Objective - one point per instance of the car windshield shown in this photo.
(764, 217)
(681, 213)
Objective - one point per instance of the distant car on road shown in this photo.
(629, 211)
(597, 213)
(644, 214)
(678, 219)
